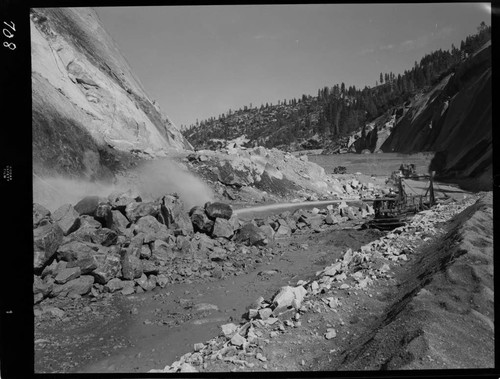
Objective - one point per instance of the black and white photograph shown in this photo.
(261, 188)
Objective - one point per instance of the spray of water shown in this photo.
(151, 180)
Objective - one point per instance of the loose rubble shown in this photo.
(356, 270)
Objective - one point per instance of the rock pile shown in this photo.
(272, 172)
(239, 344)
(122, 244)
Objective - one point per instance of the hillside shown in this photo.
(340, 114)
(454, 120)
(90, 113)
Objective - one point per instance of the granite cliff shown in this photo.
(91, 116)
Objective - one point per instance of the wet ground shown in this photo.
(139, 332)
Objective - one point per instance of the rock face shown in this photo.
(454, 120)
(88, 107)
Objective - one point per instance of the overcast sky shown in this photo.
(199, 61)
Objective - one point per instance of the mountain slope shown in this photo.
(455, 120)
(89, 110)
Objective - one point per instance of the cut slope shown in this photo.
(454, 120)
(83, 88)
(444, 309)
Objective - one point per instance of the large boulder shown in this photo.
(103, 214)
(131, 266)
(162, 251)
(150, 267)
(251, 235)
(120, 200)
(79, 286)
(134, 211)
(114, 285)
(74, 250)
(147, 225)
(46, 240)
(218, 210)
(86, 264)
(88, 205)
(108, 266)
(289, 296)
(67, 274)
(201, 222)
(40, 213)
(104, 236)
(67, 218)
(174, 216)
(118, 221)
(223, 228)
(43, 286)
(89, 222)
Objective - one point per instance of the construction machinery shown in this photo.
(395, 209)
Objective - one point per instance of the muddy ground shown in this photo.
(140, 332)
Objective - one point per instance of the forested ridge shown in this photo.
(312, 122)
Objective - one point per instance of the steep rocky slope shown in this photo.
(454, 120)
(89, 111)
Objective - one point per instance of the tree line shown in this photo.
(335, 111)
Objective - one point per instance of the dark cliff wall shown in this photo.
(454, 120)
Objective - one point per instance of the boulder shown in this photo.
(222, 228)
(251, 235)
(128, 287)
(147, 225)
(103, 214)
(173, 215)
(331, 220)
(46, 241)
(147, 284)
(283, 231)
(200, 221)
(149, 267)
(89, 221)
(131, 266)
(218, 210)
(43, 286)
(145, 252)
(82, 234)
(67, 274)
(114, 285)
(118, 221)
(162, 251)
(88, 205)
(136, 244)
(67, 218)
(333, 269)
(162, 280)
(135, 211)
(104, 236)
(108, 267)
(86, 264)
(39, 213)
(229, 329)
(288, 296)
(79, 286)
(120, 200)
(218, 254)
(268, 230)
(74, 250)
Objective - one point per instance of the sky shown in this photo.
(201, 61)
